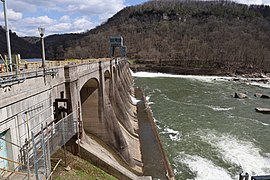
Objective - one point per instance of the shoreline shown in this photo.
(177, 70)
(262, 80)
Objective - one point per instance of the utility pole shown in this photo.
(7, 34)
(42, 32)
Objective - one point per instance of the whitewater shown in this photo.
(207, 133)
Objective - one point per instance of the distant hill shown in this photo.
(57, 46)
(219, 36)
(18, 46)
(32, 39)
(215, 34)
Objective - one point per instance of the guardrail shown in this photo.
(48, 141)
(35, 154)
(8, 80)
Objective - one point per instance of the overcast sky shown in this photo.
(66, 16)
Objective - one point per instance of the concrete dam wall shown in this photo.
(115, 124)
(85, 107)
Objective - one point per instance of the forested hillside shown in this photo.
(18, 45)
(197, 34)
(226, 36)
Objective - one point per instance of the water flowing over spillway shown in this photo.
(207, 133)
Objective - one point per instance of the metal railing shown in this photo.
(15, 166)
(8, 80)
(47, 142)
(14, 170)
(35, 154)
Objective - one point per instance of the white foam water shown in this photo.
(256, 121)
(201, 78)
(147, 98)
(131, 72)
(150, 103)
(173, 134)
(218, 108)
(264, 85)
(203, 168)
(241, 153)
(265, 124)
(134, 100)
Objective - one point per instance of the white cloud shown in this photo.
(60, 27)
(22, 6)
(82, 23)
(65, 24)
(28, 26)
(59, 16)
(74, 25)
(12, 15)
(65, 16)
(41, 21)
(30, 5)
(83, 7)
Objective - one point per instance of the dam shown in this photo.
(85, 107)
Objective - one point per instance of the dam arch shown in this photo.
(107, 80)
(89, 95)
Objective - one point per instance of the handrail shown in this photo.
(10, 160)
(4, 79)
(10, 143)
(15, 172)
(7, 79)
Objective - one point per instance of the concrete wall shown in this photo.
(97, 93)
(25, 105)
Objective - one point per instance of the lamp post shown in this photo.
(7, 34)
(41, 32)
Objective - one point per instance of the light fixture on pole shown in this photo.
(7, 35)
(41, 31)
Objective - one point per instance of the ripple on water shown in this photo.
(218, 108)
(184, 104)
(242, 153)
(204, 169)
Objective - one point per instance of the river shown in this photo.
(208, 134)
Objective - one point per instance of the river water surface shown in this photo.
(208, 134)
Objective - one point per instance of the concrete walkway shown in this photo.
(155, 163)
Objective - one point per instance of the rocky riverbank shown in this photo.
(245, 77)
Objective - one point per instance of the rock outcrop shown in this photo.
(240, 95)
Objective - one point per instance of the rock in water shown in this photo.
(265, 96)
(258, 95)
(262, 95)
(240, 95)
